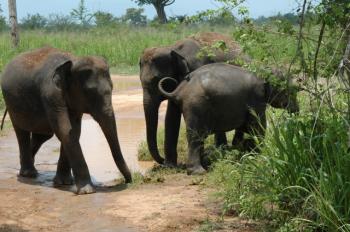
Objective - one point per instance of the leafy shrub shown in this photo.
(35, 21)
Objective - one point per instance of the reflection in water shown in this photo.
(97, 152)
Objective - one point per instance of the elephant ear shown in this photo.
(61, 73)
(181, 64)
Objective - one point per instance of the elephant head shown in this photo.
(86, 86)
(155, 64)
(282, 94)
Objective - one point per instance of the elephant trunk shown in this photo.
(167, 87)
(151, 106)
(109, 128)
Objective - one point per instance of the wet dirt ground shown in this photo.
(35, 205)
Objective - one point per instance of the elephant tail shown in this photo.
(3, 119)
(168, 87)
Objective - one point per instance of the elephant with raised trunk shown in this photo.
(221, 97)
(156, 63)
(46, 92)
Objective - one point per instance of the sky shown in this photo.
(118, 7)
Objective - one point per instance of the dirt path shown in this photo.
(34, 205)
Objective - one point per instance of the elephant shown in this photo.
(159, 62)
(222, 97)
(46, 92)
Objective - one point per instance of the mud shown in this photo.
(35, 205)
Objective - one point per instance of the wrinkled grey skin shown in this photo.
(219, 98)
(46, 92)
(156, 63)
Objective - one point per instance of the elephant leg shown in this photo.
(172, 127)
(220, 139)
(67, 129)
(195, 151)
(26, 158)
(36, 141)
(63, 174)
(238, 138)
(256, 127)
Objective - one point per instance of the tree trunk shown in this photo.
(161, 13)
(13, 22)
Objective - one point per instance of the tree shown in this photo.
(134, 17)
(2, 20)
(103, 19)
(159, 5)
(13, 22)
(81, 14)
(60, 22)
(34, 21)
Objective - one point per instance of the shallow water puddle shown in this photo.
(97, 152)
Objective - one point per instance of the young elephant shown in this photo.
(46, 92)
(221, 97)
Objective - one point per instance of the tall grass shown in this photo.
(120, 45)
(301, 179)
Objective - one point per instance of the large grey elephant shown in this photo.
(156, 63)
(221, 97)
(46, 92)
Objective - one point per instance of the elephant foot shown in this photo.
(128, 178)
(28, 172)
(63, 180)
(169, 164)
(86, 189)
(197, 170)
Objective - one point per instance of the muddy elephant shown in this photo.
(46, 92)
(221, 97)
(156, 63)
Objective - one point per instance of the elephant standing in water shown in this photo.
(156, 63)
(46, 92)
(219, 98)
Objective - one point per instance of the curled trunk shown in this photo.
(168, 87)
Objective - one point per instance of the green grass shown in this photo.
(121, 45)
(157, 174)
(301, 179)
(144, 155)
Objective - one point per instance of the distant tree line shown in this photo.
(81, 17)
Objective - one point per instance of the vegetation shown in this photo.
(300, 181)
(159, 5)
(135, 17)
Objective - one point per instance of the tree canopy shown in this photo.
(159, 5)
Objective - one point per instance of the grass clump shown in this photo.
(300, 181)
(157, 174)
(144, 155)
